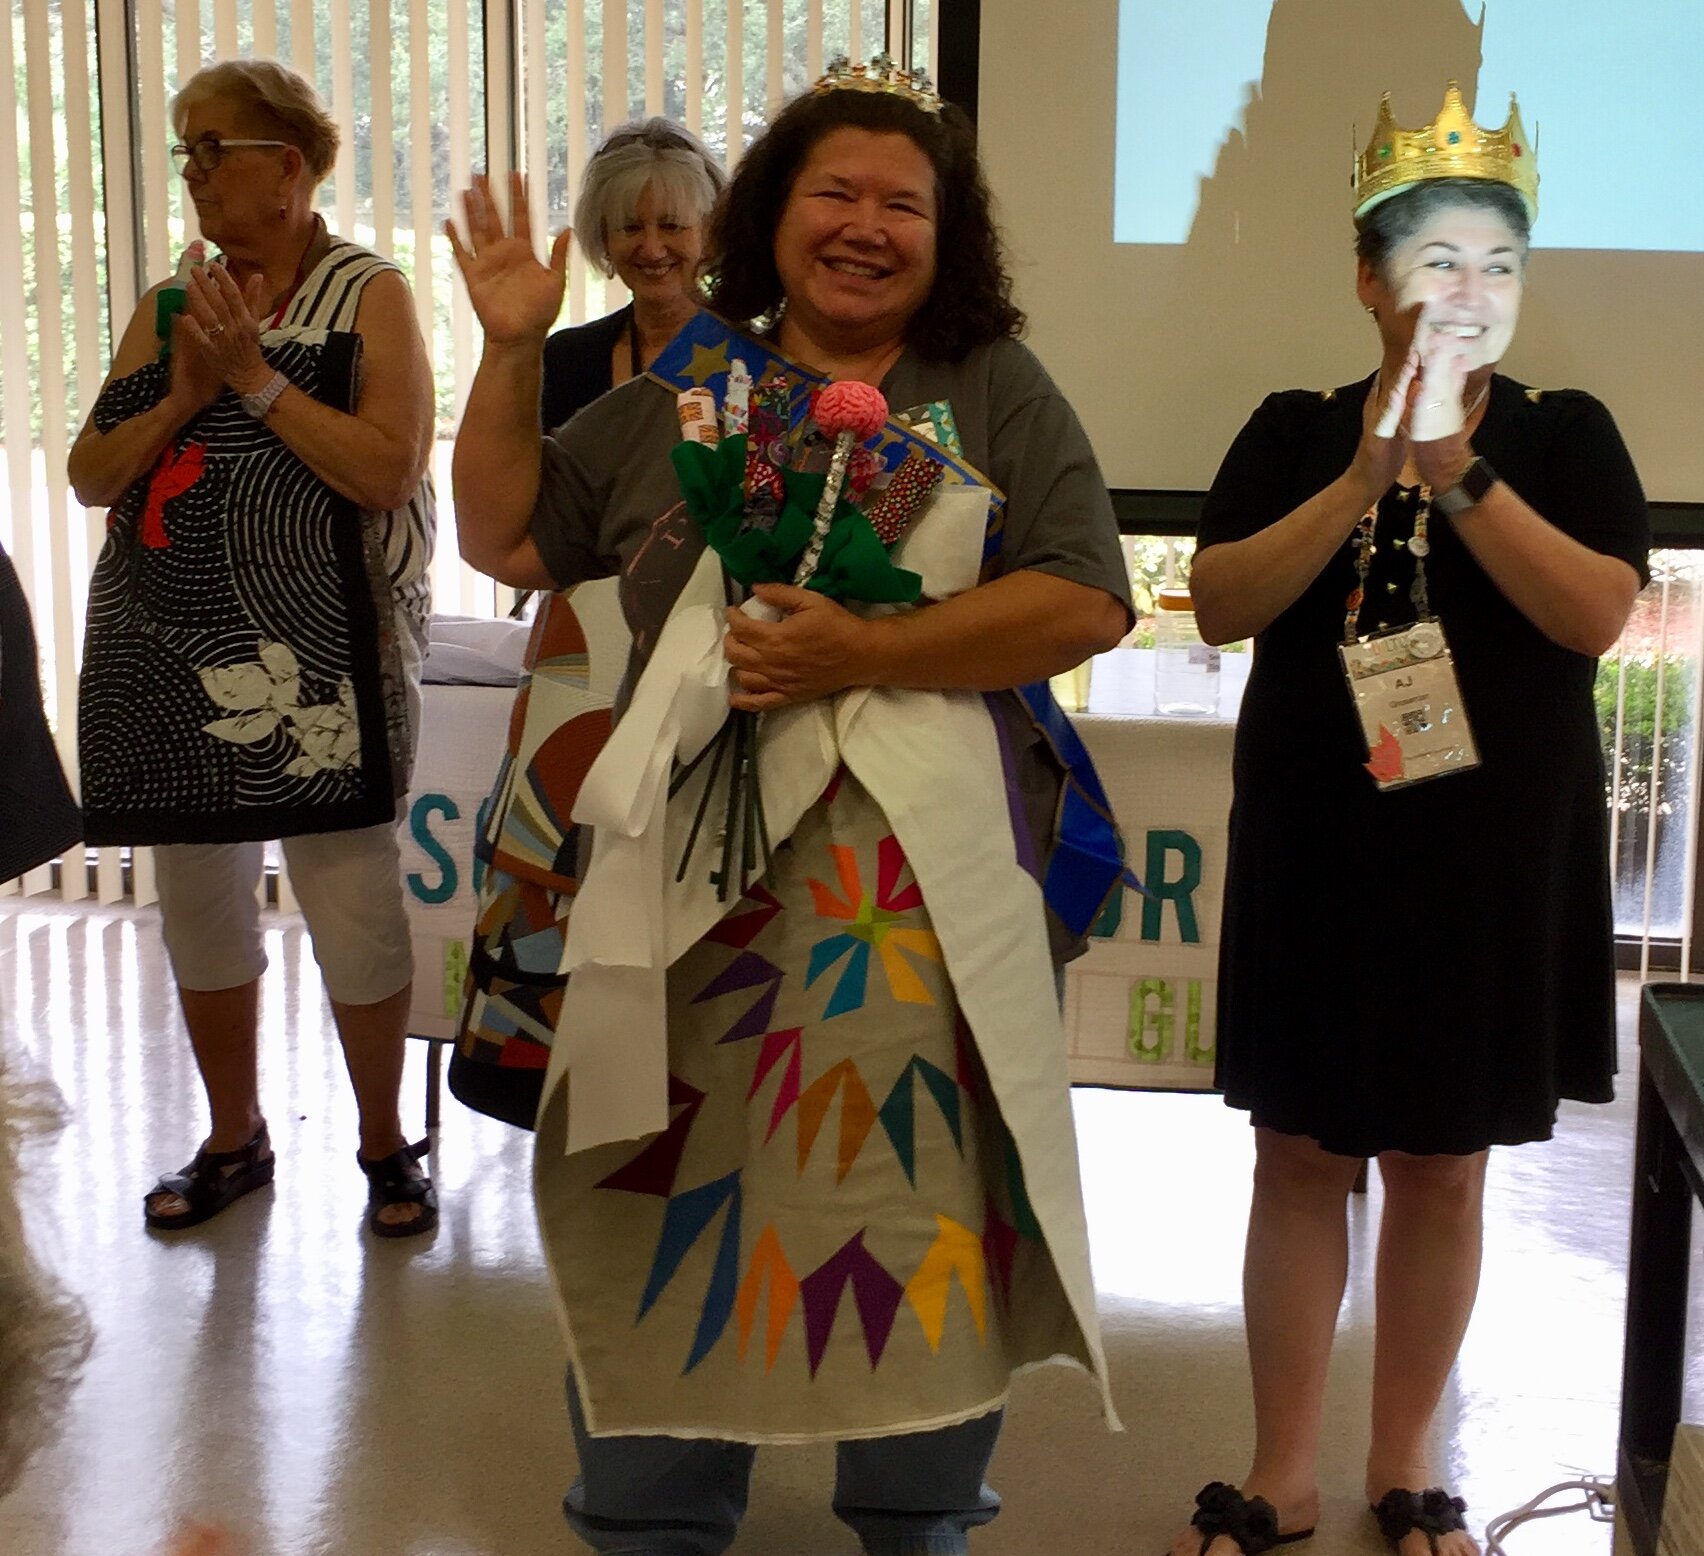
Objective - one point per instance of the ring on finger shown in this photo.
(218, 329)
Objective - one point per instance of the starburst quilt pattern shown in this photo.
(874, 923)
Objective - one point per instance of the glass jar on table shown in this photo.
(1186, 670)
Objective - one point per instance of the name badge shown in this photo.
(1405, 690)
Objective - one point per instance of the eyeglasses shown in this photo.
(209, 151)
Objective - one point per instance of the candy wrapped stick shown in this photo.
(849, 412)
(736, 403)
(903, 496)
(766, 447)
(861, 473)
(696, 411)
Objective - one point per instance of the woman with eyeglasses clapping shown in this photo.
(257, 616)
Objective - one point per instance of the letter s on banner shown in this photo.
(419, 825)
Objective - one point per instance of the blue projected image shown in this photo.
(1608, 89)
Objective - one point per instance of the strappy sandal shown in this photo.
(212, 1181)
(399, 1180)
(1222, 1511)
(1434, 1512)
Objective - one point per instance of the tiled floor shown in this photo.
(319, 1392)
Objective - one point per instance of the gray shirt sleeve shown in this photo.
(1059, 517)
(565, 515)
(1021, 431)
(604, 477)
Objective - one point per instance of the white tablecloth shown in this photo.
(1139, 1008)
(462, 734)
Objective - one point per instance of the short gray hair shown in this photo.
(671, 159)
(272, 97)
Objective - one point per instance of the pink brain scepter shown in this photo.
(849, 412)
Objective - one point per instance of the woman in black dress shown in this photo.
(1415, 973)
(639, 219)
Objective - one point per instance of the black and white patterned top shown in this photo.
(329, 299)
(244, 671)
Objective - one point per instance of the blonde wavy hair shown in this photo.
(44, 1331)
(272, 97)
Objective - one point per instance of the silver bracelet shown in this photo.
(260, 403)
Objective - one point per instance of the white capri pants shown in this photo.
(348, 883)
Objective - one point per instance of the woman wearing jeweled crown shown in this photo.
(805, 1167)
(1412, 970)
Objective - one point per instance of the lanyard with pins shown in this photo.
(1419, 547)
(1366, 547)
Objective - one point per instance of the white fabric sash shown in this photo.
(931, 760)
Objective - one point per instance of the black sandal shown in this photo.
(1433, 1512)
(1252, 1522)
(399, 1180)
(212, 1181)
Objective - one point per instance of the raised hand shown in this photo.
(515, 297)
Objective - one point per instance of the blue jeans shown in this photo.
(916, 1495)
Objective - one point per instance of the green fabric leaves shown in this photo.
(855, 565)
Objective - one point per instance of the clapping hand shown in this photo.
(515, 297)
(1383, 449)
(1437, 413)
(196, 381)
(1421, 414)
(1437, 425)
(223, 320)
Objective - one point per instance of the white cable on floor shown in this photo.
(1598, 1500)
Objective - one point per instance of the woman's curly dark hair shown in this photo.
(970, 303)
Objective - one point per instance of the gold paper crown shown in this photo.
(880, 75)
(1451, 146)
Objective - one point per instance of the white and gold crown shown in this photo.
(1451, 146)
(880, 75)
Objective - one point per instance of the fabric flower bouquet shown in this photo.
(771, 523)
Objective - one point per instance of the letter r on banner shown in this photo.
(1176, 889)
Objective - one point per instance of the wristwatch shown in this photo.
(265, 397)
(1475, 482)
